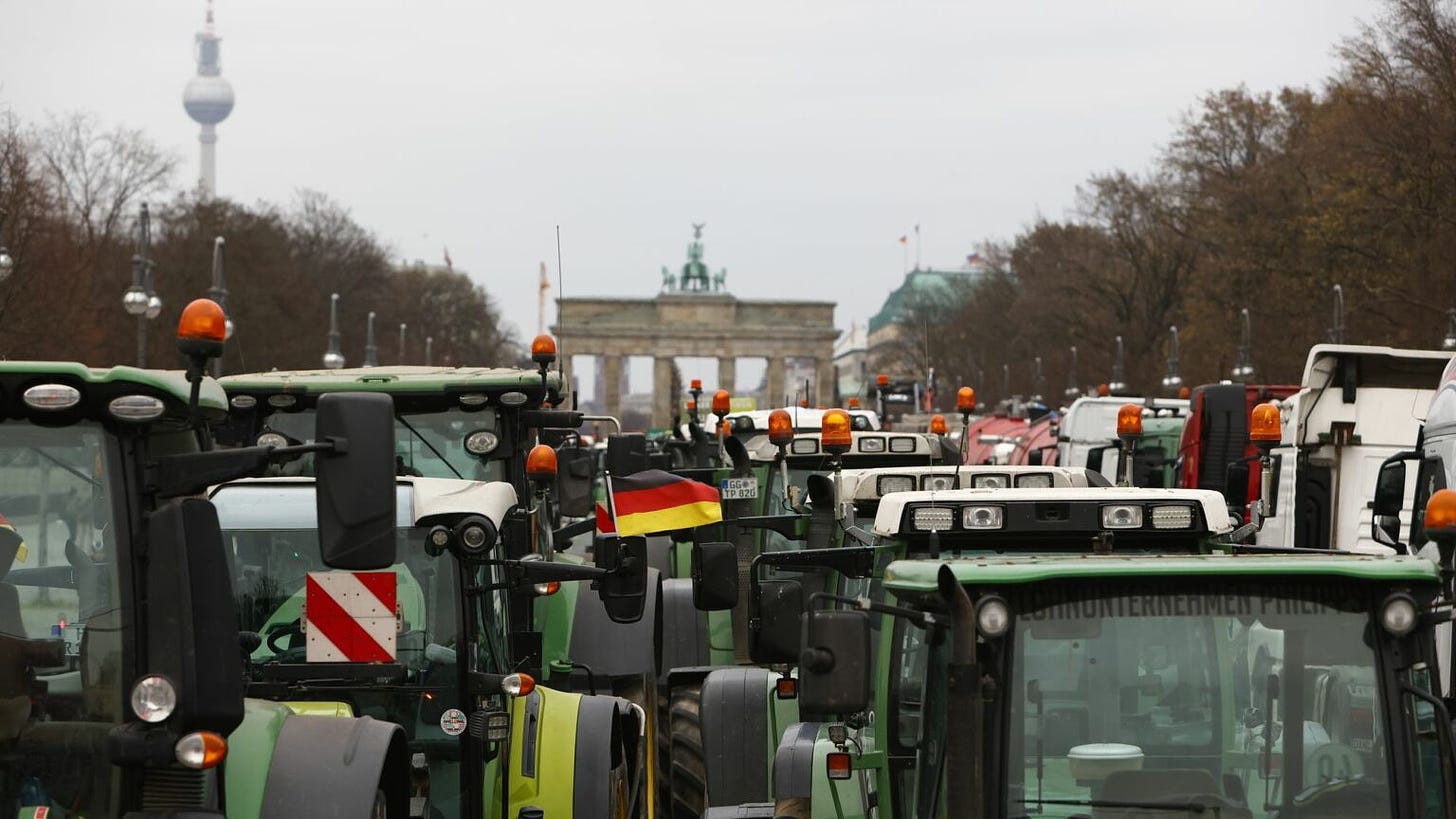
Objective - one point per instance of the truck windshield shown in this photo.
(61, 687)
(1250, 702)
(272, 539)
(427, 444)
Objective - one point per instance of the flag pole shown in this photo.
(917, 247)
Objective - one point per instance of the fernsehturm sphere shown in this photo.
(208, 99)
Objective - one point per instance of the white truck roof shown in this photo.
(865, 485)
(908, 444)
(288, 503)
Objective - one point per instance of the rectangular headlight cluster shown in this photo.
(1172, 517)
(933, 518)
(938, 483)
(902, 443)
(886, 484)
(872, 445)
(1122, 516)
(803, 446)
(981, 517)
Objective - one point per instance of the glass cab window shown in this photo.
(1259, 702)
(427, 444)
(61, 686)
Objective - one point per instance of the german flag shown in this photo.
(655, 501)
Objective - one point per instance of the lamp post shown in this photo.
(371, 350)
(402, 327)
(218, 293)
(141, 299)
(429, 342)
(1449, 342)
(334, 358)
(1173, 382)
(1244, 366)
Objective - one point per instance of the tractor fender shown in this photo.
(736, 741)
(331, 766)
(684, 629)
(618, 649)
(794, 762)
(599, 774)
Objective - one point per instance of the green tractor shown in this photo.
(466, 452)
(124, 671)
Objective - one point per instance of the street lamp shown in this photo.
(334, 358)
(1244, 367)
(371, 350)
(218, 293)
(402, 327)
(1449, 342)
(1173, 382)
(141, 300)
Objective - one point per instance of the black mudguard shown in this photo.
(599, 761)
(617, 649)
(794, 762)
(684, 629)
(332, 766)
(734, 708)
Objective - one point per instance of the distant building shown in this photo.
(880, 350)
(852, 363)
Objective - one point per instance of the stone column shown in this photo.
(824, 382)
(727, 373)
(662, 397)
(774, 382)
(611, 384)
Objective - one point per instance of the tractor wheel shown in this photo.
(682, 774)
(633, 689)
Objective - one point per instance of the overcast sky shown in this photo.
(809, 136)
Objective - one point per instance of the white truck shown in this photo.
(1357, 406)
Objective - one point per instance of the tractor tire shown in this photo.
(682, 773)
(634, 690)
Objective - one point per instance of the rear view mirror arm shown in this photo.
(923, 619)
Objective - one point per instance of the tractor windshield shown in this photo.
(270, 531)
(1248, 702)
(61, 686)
(427, 444)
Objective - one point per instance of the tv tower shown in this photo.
(208, 99)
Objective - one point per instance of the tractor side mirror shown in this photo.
(355, 492)
(715, 576)
(834, 674)
(623, 590)
(1236, 485)
(776, 640)
(574, 476)
(1390, 488)
(626, 453)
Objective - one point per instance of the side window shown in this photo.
(1426, 732)
(1432, 477)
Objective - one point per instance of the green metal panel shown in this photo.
(918, 576)
(172, 383)
(250, 750)
(555, 614)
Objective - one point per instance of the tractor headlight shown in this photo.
(1037, 480)
(1122, 516)
(887, 484)
(993, 616)
(933, 518)
(981, 517)
(153, 699)
(481, 442)
(1172, 517)
(989, 482)
(1398, 614)
(475, 534)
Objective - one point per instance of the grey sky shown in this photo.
(808, 135)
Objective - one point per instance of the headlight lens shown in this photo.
(153, 698)
(1122, 516)
(136, 407)
(894, 483)
(1398, 614)
(804, 446)
(981, 517)
(938, 483)
(201, 749)
(1037, 481)
(902, 444)
(933, 518)
(273, 439)
(990, 482)
(1172, 517)
(518, 685)
(481, 442)
(993, 617)
(872, 445)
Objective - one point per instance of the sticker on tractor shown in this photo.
(738, 488)
(452, 722)
(350, 617)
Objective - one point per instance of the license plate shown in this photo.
(738, 489)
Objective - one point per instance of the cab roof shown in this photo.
(891, 519)
(867, 485)
(291, 502)
(919, 576)
(172, 384)
(904, 444)
(404, 378)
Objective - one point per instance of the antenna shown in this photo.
(1337, 330)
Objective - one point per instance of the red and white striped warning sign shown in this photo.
(350, 617)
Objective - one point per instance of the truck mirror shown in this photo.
(198, 652)
(1390, 488)
(623, 591)
(626, 453)
(574, 481)
(776, 639)
(1236, 485)
(834, 673)
(715, 576)
(355, 492)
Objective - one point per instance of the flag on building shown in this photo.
(904, 239)
(656, 501)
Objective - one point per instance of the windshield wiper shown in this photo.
(430, 446)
